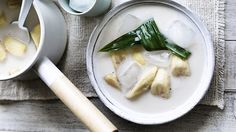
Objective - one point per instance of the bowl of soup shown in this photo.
(150, 62)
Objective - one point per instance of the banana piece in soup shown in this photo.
(161, 84)
(3, 53)
(3, 20)
(14, 46)
(179, 67)
(112, 80)
(35, 34)
(117, 57)
(143, 84)
(137, 54)
(13, 4)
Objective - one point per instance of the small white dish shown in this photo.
(97, 7)
(81, 5)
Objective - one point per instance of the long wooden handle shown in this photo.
(73, 98)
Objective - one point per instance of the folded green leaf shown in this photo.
(178, 51)
(150, 37)
(125, 41)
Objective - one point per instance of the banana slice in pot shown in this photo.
(35, 34)
(14, 46)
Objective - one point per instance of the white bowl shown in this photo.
(135, 113)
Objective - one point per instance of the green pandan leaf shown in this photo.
(125, 41)
(149, 36)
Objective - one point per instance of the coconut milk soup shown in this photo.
(171, 23)
(15, 55)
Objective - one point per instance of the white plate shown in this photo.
(149, 109)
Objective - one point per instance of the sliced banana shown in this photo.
(117, 57)
(179, 67)
(3, 20)
(3, 53)
(137, 54)
(15, 47)
(13, 4)
(35, 34)
(161, 84)
(112, 80)
(143, 84)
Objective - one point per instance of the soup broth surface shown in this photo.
(182, 88)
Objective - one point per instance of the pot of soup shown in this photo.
(19, 60)
(150, 61)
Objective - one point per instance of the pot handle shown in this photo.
(70, 95)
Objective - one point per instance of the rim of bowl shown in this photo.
(198, 93)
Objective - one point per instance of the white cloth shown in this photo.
(73, 64)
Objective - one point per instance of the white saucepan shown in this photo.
(52, 45)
